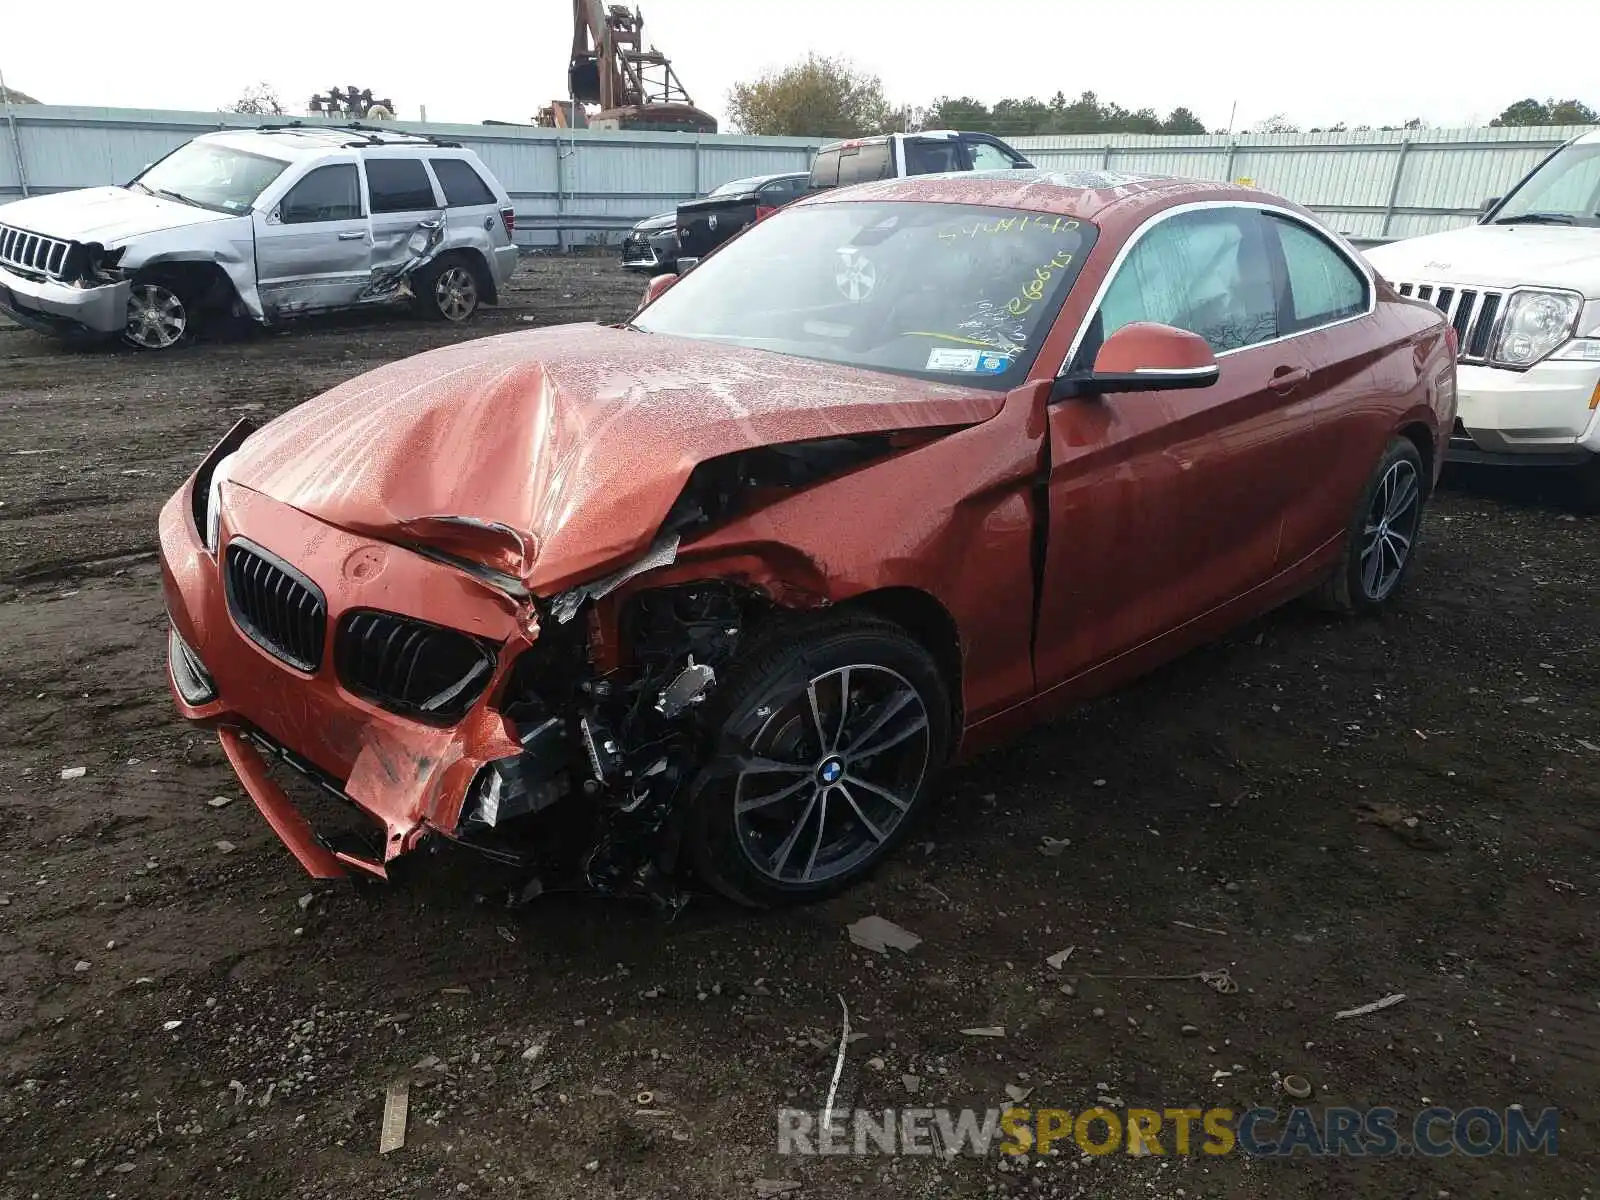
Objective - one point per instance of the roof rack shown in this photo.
(370, 135)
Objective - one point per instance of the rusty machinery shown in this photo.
(634, 87)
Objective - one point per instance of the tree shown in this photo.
(1550, 112)
(12, 96)
(261, 100)
(1181, 120)
(1276, 123)
(820, 97)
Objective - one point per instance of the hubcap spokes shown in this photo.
(156, 317)
(1390, 529)
(456, 293)
(831, 774)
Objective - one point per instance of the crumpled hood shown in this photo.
(555, 453)
(108, 215)
(1499, 256)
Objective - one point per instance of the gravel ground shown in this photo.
(1329, 811)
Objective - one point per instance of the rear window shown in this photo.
(825, 170)
(929, 156)
(399, 185)
(865, 164)
(462, 185)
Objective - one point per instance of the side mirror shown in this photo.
(1488, 204)
(1145, 357)
(654, 289)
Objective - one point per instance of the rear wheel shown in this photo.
(830, 743)
(448, 290)
(1382, 537)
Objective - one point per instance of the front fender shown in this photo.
(229, 245)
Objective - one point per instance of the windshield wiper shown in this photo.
(178, 196)
(1537, 218)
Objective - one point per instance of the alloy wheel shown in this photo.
(157, 318)
(456, 293)
(830, 774)
(1390, 530)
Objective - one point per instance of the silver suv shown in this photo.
(266, 223)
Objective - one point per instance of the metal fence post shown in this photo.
(561, 194)
(698, 190)
(1227, 167)
(1105, 159)
(1394, 186)
(16, 140)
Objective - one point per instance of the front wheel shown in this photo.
(161, 313)
(1382, 537)
(449, 290)
(829, 744)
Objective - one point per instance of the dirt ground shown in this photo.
(1329, 811)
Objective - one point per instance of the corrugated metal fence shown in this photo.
(1371, 185)
(569, 186)
(574, 187)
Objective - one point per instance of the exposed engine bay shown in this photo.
(636, 740)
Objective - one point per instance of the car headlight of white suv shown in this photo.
(1535, 323)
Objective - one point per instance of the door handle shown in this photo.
(354, 235)
(1286, 379)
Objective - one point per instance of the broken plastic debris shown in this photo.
(225, 846)
(875, 933)
(1053, 847)
(1059, 958)
(1297, 1086)
(74, 772)
(663, 553)
(985, 1031)
(396, 1103)
(219, 801)
(1017, 1094)
(169, 1026)
(1363, 1010)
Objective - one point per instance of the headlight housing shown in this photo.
(213, 525)
(1534, 324)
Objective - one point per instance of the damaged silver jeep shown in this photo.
(264, 223)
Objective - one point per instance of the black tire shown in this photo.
(763, 711)
(1588, 498)
(164, 310)
(1354, 587)
(451, 289)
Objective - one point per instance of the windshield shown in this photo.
(949, 292)
(211, 176)
(1565, 191)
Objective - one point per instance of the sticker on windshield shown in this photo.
(854, 275)
(970, 362)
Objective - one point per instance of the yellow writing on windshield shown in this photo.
(1024, 224)
(1031, 292)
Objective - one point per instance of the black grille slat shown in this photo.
(278, 609)
(1471, 311)
(411, 667)
(33, 252)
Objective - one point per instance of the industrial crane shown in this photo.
(634, 87)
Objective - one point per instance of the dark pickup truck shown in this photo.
(705, 224)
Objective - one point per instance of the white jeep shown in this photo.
(1522, 289)
(267, 223)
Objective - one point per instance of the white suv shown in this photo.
(1522, 288)
(268, 223)
(895, 155)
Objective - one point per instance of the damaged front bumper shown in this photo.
(50, 306)
(286, 661)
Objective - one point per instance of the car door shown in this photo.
(314, 247)
(401, 198)
(1165, 505)
(989, 154)
(1326, 307)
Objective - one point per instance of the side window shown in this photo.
(1207, 272)
(1323, 284)
(463, 187)
(825, 170)
(986, 156)
(929, 156)
(865, 164)
(331, 193)
(399, 185)
(776, 192)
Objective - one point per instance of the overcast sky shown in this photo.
(1451, 62)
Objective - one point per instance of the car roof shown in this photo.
(302, 141)
(755, 181)
(1086, 195)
